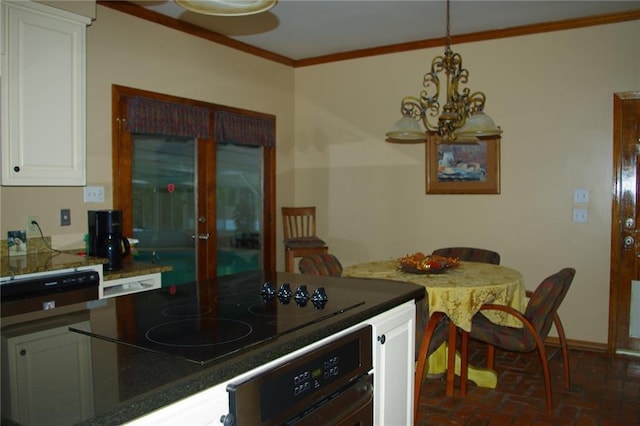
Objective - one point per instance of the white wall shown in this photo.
(552, 94)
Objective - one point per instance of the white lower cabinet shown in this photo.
(393, 369)
(393, 360)
(47, 375)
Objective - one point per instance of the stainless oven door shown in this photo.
(331, 384)
(352, 406)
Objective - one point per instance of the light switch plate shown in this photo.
(581, 196)
(94, 194)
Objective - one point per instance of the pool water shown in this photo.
(183, 263)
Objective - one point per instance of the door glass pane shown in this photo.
(164, 204)
(239, 208)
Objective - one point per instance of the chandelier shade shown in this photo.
(477, 126)
(460, 119)
(406, 130)
(227, 7)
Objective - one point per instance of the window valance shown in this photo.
(149, 116)
(242, 129)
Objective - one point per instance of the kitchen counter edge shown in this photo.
(212, 375)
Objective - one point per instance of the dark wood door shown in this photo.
(625, 230)
(205, 235)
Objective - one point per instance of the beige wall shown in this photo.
(131, 52)
(551, 93)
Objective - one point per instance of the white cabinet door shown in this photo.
(43, 96)
(47, 373)
(394, 342)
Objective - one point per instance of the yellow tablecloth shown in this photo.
(458, 292)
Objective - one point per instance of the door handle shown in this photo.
(203, 236)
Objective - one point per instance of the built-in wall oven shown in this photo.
(332, 385)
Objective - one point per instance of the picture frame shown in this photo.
(463, 168)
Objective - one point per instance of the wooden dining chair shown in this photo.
(436, 332)
(540, 314)
(469, 254)
(324, 264)
(300, 239)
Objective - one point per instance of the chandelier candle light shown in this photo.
(461, 120)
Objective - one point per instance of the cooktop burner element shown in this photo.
(198, 332)
(206, 321)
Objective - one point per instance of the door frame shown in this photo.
(206, 250)
(624, 263)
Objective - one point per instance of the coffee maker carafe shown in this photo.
(105, 238)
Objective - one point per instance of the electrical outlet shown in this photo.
(580, 215)
(65, 217)
(32, 228)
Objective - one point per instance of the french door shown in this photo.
(205, 209)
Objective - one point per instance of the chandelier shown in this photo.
(227, 7)
(461, 118)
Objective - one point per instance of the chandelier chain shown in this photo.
(448, 24)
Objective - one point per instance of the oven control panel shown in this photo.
(292, 388)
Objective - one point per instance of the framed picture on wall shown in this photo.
(463, 168)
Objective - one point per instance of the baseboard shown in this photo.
(578, 344)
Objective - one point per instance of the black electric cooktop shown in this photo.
(211, 320)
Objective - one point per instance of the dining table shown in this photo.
(458, 292)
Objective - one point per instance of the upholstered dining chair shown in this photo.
(540, 314)
(300, 239)
(436, 332)
(469, 254)
(321, 264)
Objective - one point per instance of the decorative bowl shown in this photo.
(419, 263)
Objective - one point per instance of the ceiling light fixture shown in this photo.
(462, 118)
(227, 7)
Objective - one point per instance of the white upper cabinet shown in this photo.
(43, 96)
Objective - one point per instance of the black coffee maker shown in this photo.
(105, 238)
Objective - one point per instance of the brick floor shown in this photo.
(604, 391)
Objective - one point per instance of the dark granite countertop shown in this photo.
(134, 269)
(44, 262)
(52, 261)
(129, 382)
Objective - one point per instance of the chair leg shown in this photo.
(565, 350)
(423, 355)
(464, 361)
(289, 261)
(545, 364)
(451, 358)
(491, 357)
